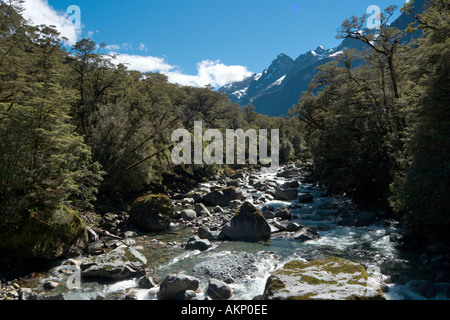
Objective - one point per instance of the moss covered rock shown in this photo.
(61, 234)
(152, 213)
(325, 279)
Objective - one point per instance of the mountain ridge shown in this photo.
(274, 93)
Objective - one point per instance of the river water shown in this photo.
(250, 264)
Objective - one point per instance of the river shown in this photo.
(250, 264)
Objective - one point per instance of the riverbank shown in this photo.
(306, 223)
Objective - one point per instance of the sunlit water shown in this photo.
(369, 246)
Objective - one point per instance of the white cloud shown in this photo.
(40, 12)
(214, 73)
(209, 72)
(141, 63)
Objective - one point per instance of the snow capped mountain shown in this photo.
(244, 92)
(280, 70)
(274, 91)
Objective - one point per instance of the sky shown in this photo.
(201, 42)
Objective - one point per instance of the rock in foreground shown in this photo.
(327, 279)
(118, 264)
(247, 225)
(61, 234)
(174, 286)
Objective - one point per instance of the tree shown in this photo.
(44, 164)
(420, 192)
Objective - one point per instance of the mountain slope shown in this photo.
(274, 93)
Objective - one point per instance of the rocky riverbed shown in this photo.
(252, 235)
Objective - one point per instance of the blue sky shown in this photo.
(181, 34)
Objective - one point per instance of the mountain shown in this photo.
(274, 91)
(244, 92)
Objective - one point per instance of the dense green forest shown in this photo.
(80, 135)
(378, 121)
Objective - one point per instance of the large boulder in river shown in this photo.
(286, 194)
(222, 197)
(121, 263)
(247, 225)
(152, 213)
(175, 284)
(218, 290)
(325, 279)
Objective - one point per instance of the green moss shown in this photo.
(158, 202)
(152, 212)
(332, 265)
(314, 281)
(332, 277)
(48, 235)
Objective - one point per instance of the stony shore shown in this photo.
(215, 213)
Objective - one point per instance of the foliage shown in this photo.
(378, 121)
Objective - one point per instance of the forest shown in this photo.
(378, 121)
(81, 136)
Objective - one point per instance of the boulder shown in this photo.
(204, 233)
(247, 225)
(218, 290)
(195, 243)
(325, 279)
(201, 210)
(222, 197)
(188, 215)
(151, 213)
(174, 284)
(121, 263)
(286, 194)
